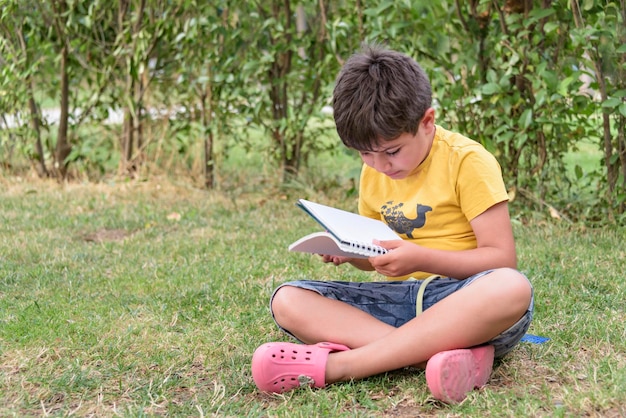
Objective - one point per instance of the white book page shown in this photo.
(347, 226)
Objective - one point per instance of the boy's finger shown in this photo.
(389, 244)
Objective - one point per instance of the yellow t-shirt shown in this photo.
(432, 207)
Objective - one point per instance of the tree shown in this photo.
(601, 37)
(21, 60)
(139, 30)
(59, 57)
(529, 79)
(207, 44)
(290, 61)
(505, 96)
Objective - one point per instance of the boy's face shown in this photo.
(400, 157)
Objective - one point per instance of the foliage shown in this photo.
(600, 33)
(21, 61)
(289, 59)
(531, 80)
(208, 81)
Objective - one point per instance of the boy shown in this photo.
(443, 193)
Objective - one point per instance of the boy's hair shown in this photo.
(379, 94)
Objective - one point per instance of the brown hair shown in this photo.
(379, 94)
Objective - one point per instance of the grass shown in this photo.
(148, 299)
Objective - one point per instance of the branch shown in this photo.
(554, 213)
(461, 18)
(503, 26)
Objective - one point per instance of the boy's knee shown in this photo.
(514, 287)
(509, 289)
(283, 301)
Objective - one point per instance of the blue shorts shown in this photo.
(395, 302)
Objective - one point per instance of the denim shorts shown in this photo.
(395, 302)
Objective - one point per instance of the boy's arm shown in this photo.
(495, 248)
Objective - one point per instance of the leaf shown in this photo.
(490, 88)
(563, 86)
(612, 103)
(492, 77)
(443, 44)
(526, 118)
(551, 79)
(579, 171)
(512, 192)
(614, 158)
(554, 213)
(520, 140)
(622, 109)
(542, 13)
(550, 26)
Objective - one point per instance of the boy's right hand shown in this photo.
(360, 263)
(335, 259)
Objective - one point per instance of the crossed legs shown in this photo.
(471, 316)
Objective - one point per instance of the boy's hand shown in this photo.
(360, 263)
(335, 259)
(399, 261)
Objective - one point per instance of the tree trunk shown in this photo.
(35, 122)
(63, 147)
(621, 143)
(128, 129)
(208, 163)
(35, 116)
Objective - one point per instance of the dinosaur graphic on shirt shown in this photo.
(395, 218)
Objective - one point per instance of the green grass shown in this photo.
(587, 156)
(148, 299)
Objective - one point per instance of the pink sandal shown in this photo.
(451, 375)
(279, 367)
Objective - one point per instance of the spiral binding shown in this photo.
(367, 249)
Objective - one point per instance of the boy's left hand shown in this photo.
(401, 258)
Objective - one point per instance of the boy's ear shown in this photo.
(428, 121)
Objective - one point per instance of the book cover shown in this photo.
(347, 234)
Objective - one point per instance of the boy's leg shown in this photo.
(312, 318)
(468, 317)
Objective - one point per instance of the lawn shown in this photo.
(149, 298)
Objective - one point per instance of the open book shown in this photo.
(347, 234)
